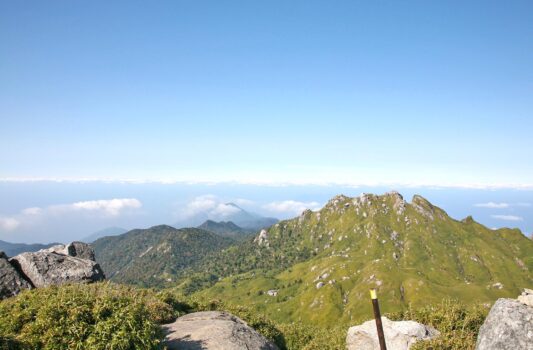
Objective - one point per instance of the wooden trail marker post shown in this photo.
(377, 316)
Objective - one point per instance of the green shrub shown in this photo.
(77, 316)
(458, 324)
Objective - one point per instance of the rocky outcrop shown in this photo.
(11, 282)
(71, 263)
(509, 325)
(78, 249)
(262, 238)
(213, 330)
(399, 335)
(44, 268)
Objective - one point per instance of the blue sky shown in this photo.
(411, 94)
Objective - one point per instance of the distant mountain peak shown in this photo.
(231, 204)
(225, 229)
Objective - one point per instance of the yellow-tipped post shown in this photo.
(377, 316)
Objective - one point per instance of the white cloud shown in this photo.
(36, 215)
(212, 206)
(111, 207)
(492, 205)
(508, 217)
(32, 211)
(200, 205)
(9, 224)
(243, 202)
(223, 210)
(291, 206)
(278, 181)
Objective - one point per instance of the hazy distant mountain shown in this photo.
(155, 256)
(12, 249)
(322, 263)
(226, 229)
(244, 219)
(110, 231)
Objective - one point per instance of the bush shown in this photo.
(78, 316)
(458, 324)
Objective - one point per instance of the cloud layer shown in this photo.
(111, 207)
(211, 206)
(103, 208)
(508, 217)
(9, 224)
(492, 205)
(291, 206)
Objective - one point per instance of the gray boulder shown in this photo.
(509, 326)
(11, 282)
(44, 268)
(399, 335)
(77, 249)
(213, 330)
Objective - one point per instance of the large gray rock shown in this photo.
(399, 335)
(11, 282)
(509, 326)
(77, 249)
(44, 268)
(213, 330)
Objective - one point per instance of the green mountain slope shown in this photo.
(225, 229)
(110, 231)
(155, 256)
(322, 263)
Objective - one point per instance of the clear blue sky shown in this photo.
(346, 91)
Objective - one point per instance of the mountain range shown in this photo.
(226, 229)
(318, 267)
(12, 249)
(155, 256)
(110, 231)
(242, 218)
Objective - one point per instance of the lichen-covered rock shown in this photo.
(77, 249)
(213, 330)
(44, 268)
(11, 282)
(509, 326)
(399, 335)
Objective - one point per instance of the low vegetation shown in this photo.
(458, 324)
(92, 317)
(118, 317)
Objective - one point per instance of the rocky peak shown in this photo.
(423, 206)
(468, 220)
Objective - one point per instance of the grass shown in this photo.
(93, 317)
(116, 317)
(458, 324)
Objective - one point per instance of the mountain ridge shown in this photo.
(226, 229)
(155, 256)
(12, 249)
(242, 218)
(323, 262)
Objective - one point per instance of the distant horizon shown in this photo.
(41, 212)
(126, 113)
